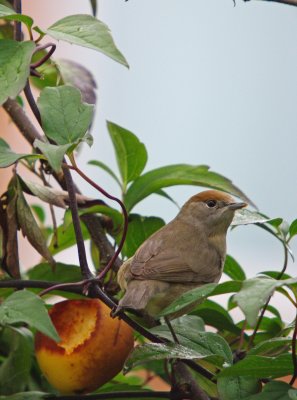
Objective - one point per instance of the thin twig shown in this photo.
(288, 2)
(17, 34)
(46, 56)
(124, 211)
(31, 101)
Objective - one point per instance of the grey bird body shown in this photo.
(186, 253)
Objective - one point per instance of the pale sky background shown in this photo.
(209, 83)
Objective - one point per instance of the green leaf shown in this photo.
(65, 118)
(189, 321)
(106, 168)
(274, 391)
(227, 287)
(14, 67)
(15, 369)
(79, 76)
(261, 367)
(131, 154)
(87, 31)
(10, 15)
(208, 344)
(254, 294)
(26, 396)
(293, 229)
(30, 228)
(115, 215)
(245, 217)
(139, 229)
(8, 157)
(6, 31)
(233, 269)
(215, 315)
(179, 174)
(159, 351)
(271, 347)
(24, 306)
(237, 387)
(192, 296)
(66, 237)
(53, 153)
(61, 273)
(292, 394)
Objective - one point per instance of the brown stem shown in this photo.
(47, 55)
(17, 5)
(116, 395)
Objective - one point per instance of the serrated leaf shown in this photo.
(8, 157)
(14, 67)
(79, 76)
(233, 269)
(261, 367)
(53, 153)
(87, 31)
(65, 118)
(24, 306)
(10, 15)
(273, 391)
(293, 228)
(139, 229)
(254, 294)
(208, 344)
(191, 297)
(159, 351)
(131, 154)
(30, 228)
(178, 174)
(105, 168)
(15, 369)
(237, 387)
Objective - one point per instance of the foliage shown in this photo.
(236, 360)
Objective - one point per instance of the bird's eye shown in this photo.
(211, 203)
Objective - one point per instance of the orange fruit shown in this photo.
(92, 350)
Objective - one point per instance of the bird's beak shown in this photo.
(236, 206)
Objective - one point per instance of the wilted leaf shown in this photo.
(139, 229)
(53, 153)
(79, 76)
(233, 269)
(14, 67)
(261, 367)
(15, 369)
(131, 154)
(24, 306)
(87, 31)
(30, 228)
(65, 118)
(179, 174)
(12, 252)
(191, 297)
(237, 387)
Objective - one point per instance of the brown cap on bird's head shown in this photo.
(212, 197)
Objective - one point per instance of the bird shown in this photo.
(186, 253)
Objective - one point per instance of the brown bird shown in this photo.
(186, 253)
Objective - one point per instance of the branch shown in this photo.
(288, 2)
(116, 395)
(294, 359)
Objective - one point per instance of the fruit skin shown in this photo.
(92, 350)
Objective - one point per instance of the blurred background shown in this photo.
(209, 83)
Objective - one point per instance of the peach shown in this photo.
(92, 350)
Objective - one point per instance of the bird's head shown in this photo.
(211, 210)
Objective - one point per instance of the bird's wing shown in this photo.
(153, 261)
